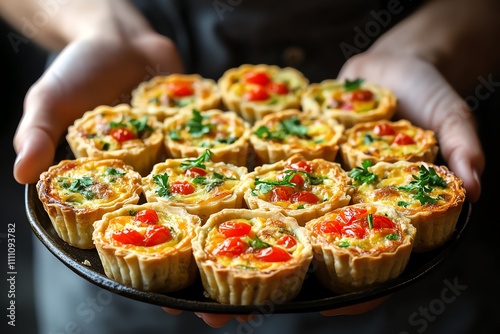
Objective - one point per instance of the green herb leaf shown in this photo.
(309, 179)
(114, 172)
(209, 183)
(80, 186)
(199, 162)
(196, 126)
(423, 184)
(370, 220)
(288, 127)
(353, 85)
(256, 243)
(361, 174)
(392, 236)
(344, 244)
(163, 189)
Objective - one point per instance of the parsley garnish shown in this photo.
(257, 243)
(80, 186)
(174, 135)
(361, 174)
(309, 179)
(138, 125)
(392, 236)
(195, 125)
(287, 127)
(403, 204)
(344, 244)
(199, 162)
(209, 183)
(423, 184)
(370, 220)
(114, 172)
(163, 189)
(353, 85)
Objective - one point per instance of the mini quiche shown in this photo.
(350, 102)
(361, 245)
(75, 193)
(302, 189)
(191, 132)
(118, 133)
(163, 96)
(430, 195)
(147, 246)
(199, 185)
(387, 141)
(280, 135)
(254, 91)
(250, 257)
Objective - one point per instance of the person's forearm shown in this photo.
(73, 19)
(458, 36)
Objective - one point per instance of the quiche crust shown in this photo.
(435, 222)
(152, 96)
(222, 123)
(229, 281)
(75, 193)
(333, 192)
(316, 100)
(164, 267)
(382, 148)
(347, 264)
(320, 141)
(90, 136)
(200, 203)
(232, 88)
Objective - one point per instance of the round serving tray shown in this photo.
(312, 297)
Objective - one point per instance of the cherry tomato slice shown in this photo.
(356, 229)
(232, 246)
(272, 254)
(128, 236)
(383, 130)
(234, 229)
(181, 89)
(304, 166)
(156, 234)
(403, 139)
(281, 193)
(304, 196)
(256, 93)
(122, 134)
(361, 95)
(257, 78)
(382, 222)
(182, 187)
(349, 214)
(147, 216)
(278, 88)
(329, 226)
(296, 179)
(286, 241)
(195, 171)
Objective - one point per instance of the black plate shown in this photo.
(312, 297)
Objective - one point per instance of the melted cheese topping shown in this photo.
(267, 230)
(96, 130)
(220, 182)
(161, 94)
(91, 184)
(374, 241)
(393, 176)
(329, 189)
(331, 95)
(223, 130)
(177, 225)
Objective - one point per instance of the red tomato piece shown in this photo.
(234, 229)
(356, 228)
(296, 179)
(122, 134)
(382, 222)
(281, 193)
(286, 241)
(383, 130)
(156, 234)
(329, 226)
(278, 88)
(304, 196)
(272, 254)
(128, 236)
(232, 246)
(257, 78)
(403, 139)
(182, 187)
(349, 214)
(147, 216)
(302, 165)
(361, 95)
(256, 93)
(195, 171)
(181, 88)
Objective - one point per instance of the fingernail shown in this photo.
(198, 315)
(18, 159)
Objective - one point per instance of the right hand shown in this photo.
(90, 71)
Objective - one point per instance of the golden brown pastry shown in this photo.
(75, 193)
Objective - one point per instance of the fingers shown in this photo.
(356, 309)
(215, 320)
(171, 311)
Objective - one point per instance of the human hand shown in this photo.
(426, 99)
(90, 71)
